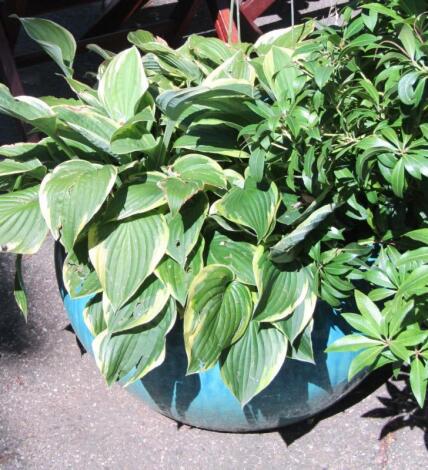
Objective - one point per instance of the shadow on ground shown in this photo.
(400, 409)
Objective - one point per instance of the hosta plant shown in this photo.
(226, 190)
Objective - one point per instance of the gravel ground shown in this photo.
(56, 411)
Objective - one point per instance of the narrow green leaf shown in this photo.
(418, 381)
(366, 358)
(353, 342)
(420, 235)
(19, 288)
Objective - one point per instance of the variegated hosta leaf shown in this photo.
(294, 325)
(94, 127)
(185, 226)
(79, 279)
(125, 253)
(280, 291)
(251, 364)
(194, 167)
(132, 138)
(122, 85)
(93, 315)
(55, 40)
(177, 277)
(178, 192)
(136, 352)
(23, 150)
(72, 194)
(251, 207)
(237, 256)
(22, 228)
(137, 198)
(302, 349)
(217, 314)
(282, 248)
(15, 167)
(28, 109)
(144, 306)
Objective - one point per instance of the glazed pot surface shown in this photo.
(299, 390)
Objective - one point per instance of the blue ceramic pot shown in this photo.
(202, 400)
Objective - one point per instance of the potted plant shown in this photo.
(222, 207)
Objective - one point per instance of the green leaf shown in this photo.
(55, 40)
(72, 194)
(420, 235)
(19, 288)
(122, 85)
(125, 253)
(252, 363)
(79, 279)
(368, 309)
(176, 277)
(22, 228)
(94, 127)
(28, 109)
(280, 291)
(177, 191)
(237, 256)
(352, 342)
(144, 306)
(15, 167)
(415, 283)
(302, 349)
(194, 167)
(217, 314)
(411, 256)
(382, 9)
(408, 39)
(365, 359)
(137, 352)
(185, 226)
(251, 207)
(296, 323)
(406, 91)
(143, 196)
(93, 315)
(280, 251)
(398, 180)
(418, 381)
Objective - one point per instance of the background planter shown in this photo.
(202, 400)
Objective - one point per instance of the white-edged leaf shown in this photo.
(22, 228)
(122, 85)
(217, 314)
(251, 207)
(251, 364)
(125, 253)
(72, 194)
(55, 40)
(136, 352)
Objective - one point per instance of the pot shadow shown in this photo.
(14, 335)
(400, 408)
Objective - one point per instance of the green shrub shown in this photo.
(234, 187)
